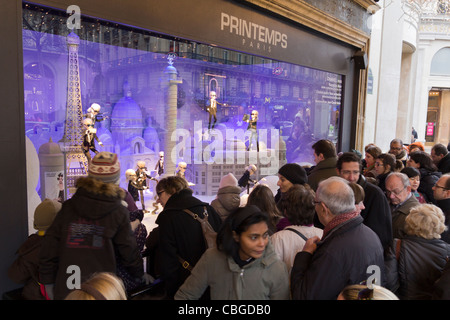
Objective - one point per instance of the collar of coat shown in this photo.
(269, 256)
(99, 187)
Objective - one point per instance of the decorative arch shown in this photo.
(440, 65)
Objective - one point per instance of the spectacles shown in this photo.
(160, 193)
(396, 148)
(388, 193)
(443, 188)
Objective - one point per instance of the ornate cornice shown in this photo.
(306, 14)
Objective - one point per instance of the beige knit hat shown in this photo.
(45, 213)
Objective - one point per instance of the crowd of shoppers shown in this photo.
(388, 211)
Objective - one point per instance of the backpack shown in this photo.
(209, 234)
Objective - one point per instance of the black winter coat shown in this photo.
(420, 263)
(444, 164)
(180, 235)
(427, 180)
(377, 213)
(342, 258)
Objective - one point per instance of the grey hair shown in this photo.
(337, 195)
(403, 178)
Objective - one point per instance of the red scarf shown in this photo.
(337, 220)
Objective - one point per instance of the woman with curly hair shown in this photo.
(415, 262)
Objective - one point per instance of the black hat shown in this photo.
(294, 173)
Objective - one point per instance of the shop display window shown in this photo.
(124, 70)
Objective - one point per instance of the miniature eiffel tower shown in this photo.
(76, 161)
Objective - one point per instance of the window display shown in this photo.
(232, 109)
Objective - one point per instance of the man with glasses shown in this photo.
(441, 192)
(396, 149)
(377, 214)
(398, 192)
(345, 251)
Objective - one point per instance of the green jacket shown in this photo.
(323, 170)
(262, 279)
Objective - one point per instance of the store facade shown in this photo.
(298, 65)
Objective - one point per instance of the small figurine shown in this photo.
(181, 169)
(88, 139)
(160, 164)
(182, 166)
(141, 181)
(252, 122)
(130, 174)
(212, 108)
(93, 113)
(245, 180)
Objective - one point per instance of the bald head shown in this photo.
(337, 195)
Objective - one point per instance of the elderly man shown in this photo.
(377, 214)
(398, 192)
(441, 192)
(346, 250)
(441, 157)
(396, 149)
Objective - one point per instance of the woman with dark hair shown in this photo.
(178, 242)
(298, 207)
(414, 179)
(429, 174)
(244, 265)
(384, 164)
(262, 197)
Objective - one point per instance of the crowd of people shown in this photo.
(350, 227)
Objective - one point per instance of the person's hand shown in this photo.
(147, 279)
(311, 244)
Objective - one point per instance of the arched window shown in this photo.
(137, 148)
(440, 65)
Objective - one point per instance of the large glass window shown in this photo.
(125, 71)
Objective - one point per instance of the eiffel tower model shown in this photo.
(76, 161)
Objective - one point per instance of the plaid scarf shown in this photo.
(337, 220)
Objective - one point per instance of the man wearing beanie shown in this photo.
(90, 230)
(288, 175)
(24, 269)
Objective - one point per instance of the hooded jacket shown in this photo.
(228, 199)
(25, 268)
(89, 231)
(180, 235)
(262, 279)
